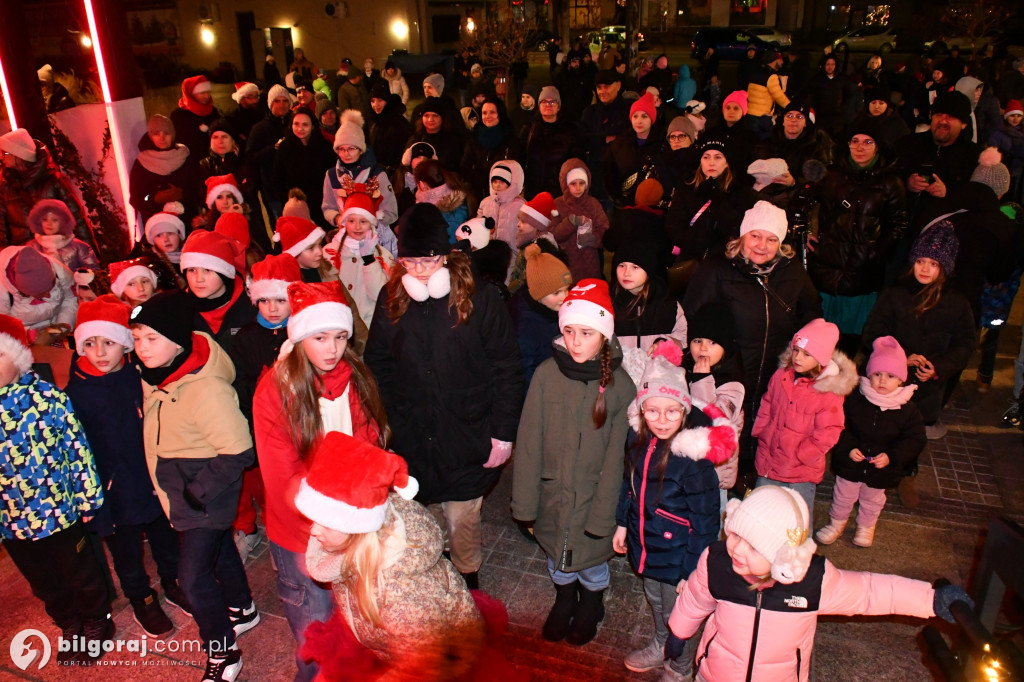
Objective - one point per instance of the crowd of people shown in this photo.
(790, 283)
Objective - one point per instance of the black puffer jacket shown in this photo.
(546, 147)
(863, 216)
(303, 166)
(812, 143)
(627, 157)
(388, 132)
(767, 309)
(448, 389)
(872, 430)
(716, 225)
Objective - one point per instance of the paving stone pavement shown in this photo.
(972, 475)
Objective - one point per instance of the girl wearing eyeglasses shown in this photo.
(668, 511)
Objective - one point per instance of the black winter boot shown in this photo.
(588, 615)
(151, 617)
(556, 627)
(472, 580)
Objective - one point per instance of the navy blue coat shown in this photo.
(536, 327)
(679, 509)
(110, 409)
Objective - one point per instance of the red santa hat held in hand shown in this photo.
(297, 234)
(349, 482)
(107, 316)
(272, 275)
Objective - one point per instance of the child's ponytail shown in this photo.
(600, 410)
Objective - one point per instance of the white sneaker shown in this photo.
(223, 667)
(243, 619)
(648, 658)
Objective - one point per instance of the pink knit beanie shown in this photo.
(818, 339)
(888, 356)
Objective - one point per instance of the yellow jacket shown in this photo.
(764, 93)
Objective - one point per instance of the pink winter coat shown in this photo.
(782, 618)
(801, 419)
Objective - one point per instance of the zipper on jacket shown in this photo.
(753, 638)
(700, 659)
(764, 345)
(798, 661)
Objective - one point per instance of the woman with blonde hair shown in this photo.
(317, 386)
(381, 553)
(769, 295)
(443, 349)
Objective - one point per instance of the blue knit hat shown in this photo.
(938, 242)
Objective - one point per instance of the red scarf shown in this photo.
(187, 101)
(332, 386)
(215, 318)
(199, 356)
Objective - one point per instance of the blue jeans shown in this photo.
(304, 599)
(594, 578)
(803, 489)
(213, 578)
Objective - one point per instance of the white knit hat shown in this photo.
(276, 91)
(765, 216)
(577, 173)
(19, 143)
(766, 170)
(774, 521)
(163, 222)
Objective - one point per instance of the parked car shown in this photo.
(611, 34)
(871, 38)
(729, 43)
(967, 45)
(771, 35)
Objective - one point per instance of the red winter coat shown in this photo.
(782, 617)
(282, 465)
(801, 419)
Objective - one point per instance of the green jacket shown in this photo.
(567, 474)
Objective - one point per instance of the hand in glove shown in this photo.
(585, 233)
(674, 646)
(501, 450)
(945, 596)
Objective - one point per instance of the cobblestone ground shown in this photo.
(971, 476)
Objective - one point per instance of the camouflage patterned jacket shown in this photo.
(47, 477)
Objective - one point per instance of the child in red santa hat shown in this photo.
(318, 385)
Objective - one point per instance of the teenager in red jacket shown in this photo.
(317, 385)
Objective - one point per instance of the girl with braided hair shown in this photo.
(569, 460)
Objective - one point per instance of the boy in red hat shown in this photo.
(106, 392)
(254, 351)
(213, 266)
(48, 490)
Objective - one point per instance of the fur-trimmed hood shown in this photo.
(839, 376)
(715, 443)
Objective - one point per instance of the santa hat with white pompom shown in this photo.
(349, 482)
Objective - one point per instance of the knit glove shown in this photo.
(501, 450)
(945, 597)
(585, 233)
(674, 646)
